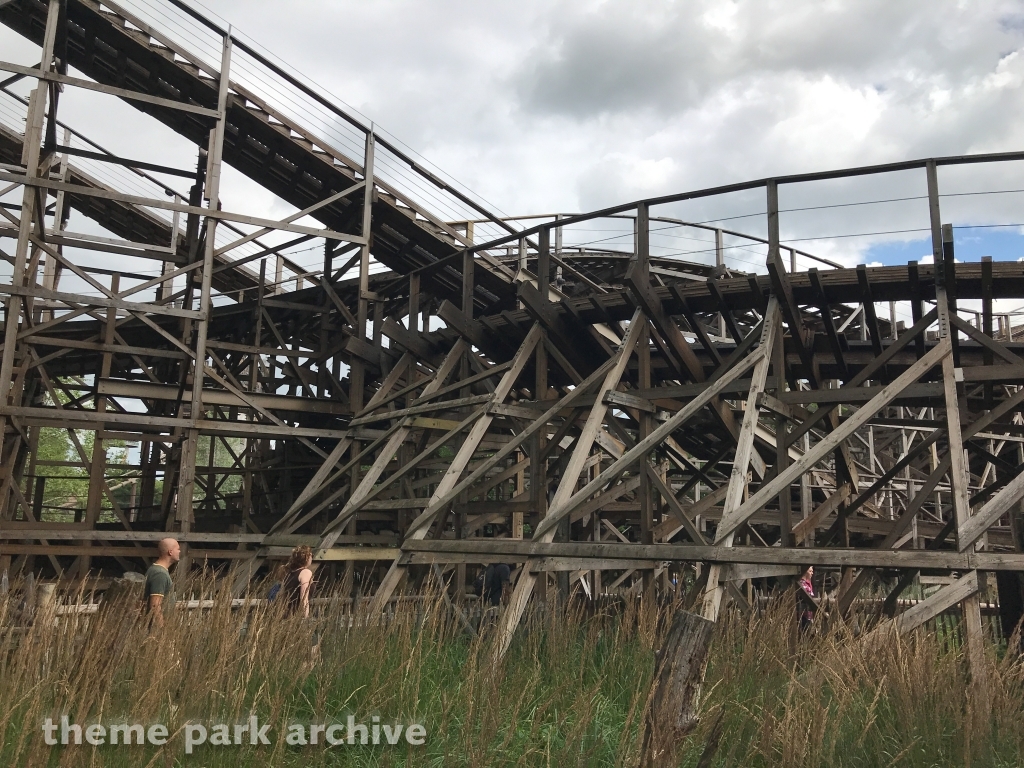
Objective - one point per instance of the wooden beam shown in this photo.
(944, 599)
(737, 489)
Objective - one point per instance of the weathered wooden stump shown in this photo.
(675, 694)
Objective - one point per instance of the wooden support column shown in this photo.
(186, 472)
(986, 321)
(543, 262)
(546, 531)
(720, 264)
(468, 287)
(468, 284)
(782, 445)
(675, 693)
(449, 486)
(737, 492)
(251, 444)
(538, 443)
(30, 156)
(959, 477)
(98, 462)
(646, 427)
(641, 277)
(357, 370)
(958, 473)
(61, 211)
(520, 490)
(33, 206)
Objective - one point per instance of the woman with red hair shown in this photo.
(296, 579)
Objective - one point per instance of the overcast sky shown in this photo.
(569, 106)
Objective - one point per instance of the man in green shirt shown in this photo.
(158, 579)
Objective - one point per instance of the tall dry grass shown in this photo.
(572, 690)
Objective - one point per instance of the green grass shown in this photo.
(572, 691)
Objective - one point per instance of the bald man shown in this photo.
(158, 579)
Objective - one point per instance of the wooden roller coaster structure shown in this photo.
(475, 392)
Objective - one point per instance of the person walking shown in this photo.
(296, 579)
(159, 590)
(806, 584)
(496, 577)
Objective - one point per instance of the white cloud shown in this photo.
(564, 106)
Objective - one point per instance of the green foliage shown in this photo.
(66, 484)
(64, 467)
(222, 457)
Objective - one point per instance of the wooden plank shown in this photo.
(450, 479)
(472, 441)
(987, 342)
(492, 371)
(120, 349)
(805, 529)
(681, 515)
(152, 202)
(91, 85)
(603, 499)
(894, 536)
(538, 423)
(737, 487)
(834, 557)
(292, 217)
(744, 571)
(974, 528)
(443, 405)
(315, 483)
(359, 553)
(870, 319)
(144, 390)
(366, 485)
(944, 599)
(670, 527)
(73, 299)
(915, 332)
(836, 342)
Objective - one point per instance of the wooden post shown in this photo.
(675, 692)
(187, 470)
(98, 462)
(643, 348)
(720, 264)
(782, 447)
(1010, 585)
(738, 478)
(942, 248)
(543, 261)
(520, 486)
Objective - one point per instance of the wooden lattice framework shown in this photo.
(596, 416)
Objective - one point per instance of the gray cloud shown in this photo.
(562, 106)
(622, 55)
